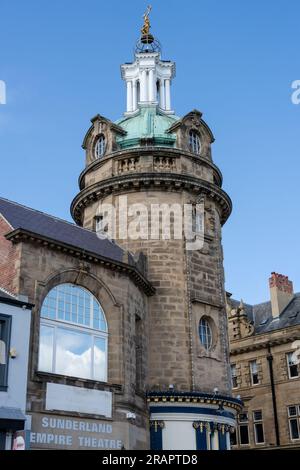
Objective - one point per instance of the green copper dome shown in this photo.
(148, 125)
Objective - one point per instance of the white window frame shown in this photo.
(233, 367)
(254, 361)
(195, 142)
(100, 146)
(295, 417)
(208, 334)
(288, 366)
(72, 326)
(243, 423)
(55, 324)
(255, 422)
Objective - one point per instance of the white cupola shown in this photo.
(148, 78)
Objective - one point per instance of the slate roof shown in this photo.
(5, 295)
(261, 315)
(21, 217)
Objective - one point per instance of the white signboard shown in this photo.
(82, 400)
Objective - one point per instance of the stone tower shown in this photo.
(150, 162)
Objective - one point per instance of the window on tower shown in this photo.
(100, 146)
(73, 334)
(205, 333)
(194, 142)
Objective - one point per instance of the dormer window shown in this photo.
(100, 146)
(195, 143)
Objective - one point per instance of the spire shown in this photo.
(148, 78)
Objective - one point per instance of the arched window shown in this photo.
(73, 334)
(205, 333)
(100, 146)
(195, 143)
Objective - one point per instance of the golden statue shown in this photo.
(146, 26)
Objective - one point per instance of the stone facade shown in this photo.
(155, 293)
(258, 333)
(188, 285)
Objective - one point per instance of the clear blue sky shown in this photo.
(235, 61)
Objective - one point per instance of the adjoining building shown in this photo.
(265, 353)
(15, 317)
(129, 342)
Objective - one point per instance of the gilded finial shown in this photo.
(146, 26)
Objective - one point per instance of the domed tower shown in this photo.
(155, 170)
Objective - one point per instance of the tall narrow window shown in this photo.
(294, 421)
(73, 334)
(233, 376)
(100, 146)
(138, 353)
(292, 366)
(243, 428)
(194, 142)
(205, 333)
(254, 373)
(5, 328)
(258, 427)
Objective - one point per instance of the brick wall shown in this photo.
(9, 256)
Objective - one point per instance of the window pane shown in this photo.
(259, 433)
(100, 359)
(71, 303)
(294, 370)
(254, 373)
(257, 415)
(205, 333)
(255, 379)
(292, 411)
(243, 417)
(73, 353)
(244, 434)
(294, 427)
(233, 376)
(46, 348)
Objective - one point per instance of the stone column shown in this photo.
(162, 101)
(134, 95)
(143, 85)
(168, 95)
(151, 86)
(228, 440)
(129, 96)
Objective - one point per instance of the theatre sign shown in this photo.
(60, 432)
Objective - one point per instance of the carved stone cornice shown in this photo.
(155, 181)
(237, 346)
(193, 398)
(21, 235)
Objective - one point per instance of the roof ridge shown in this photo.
(56, 218)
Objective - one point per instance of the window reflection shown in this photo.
(46, 348)
(73, 334)
(99, 359)
(73, 353)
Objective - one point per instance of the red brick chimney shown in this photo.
(281, 291)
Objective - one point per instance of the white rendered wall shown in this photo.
(15, 396)
(179, 435)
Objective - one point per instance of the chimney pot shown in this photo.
(281, 291)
